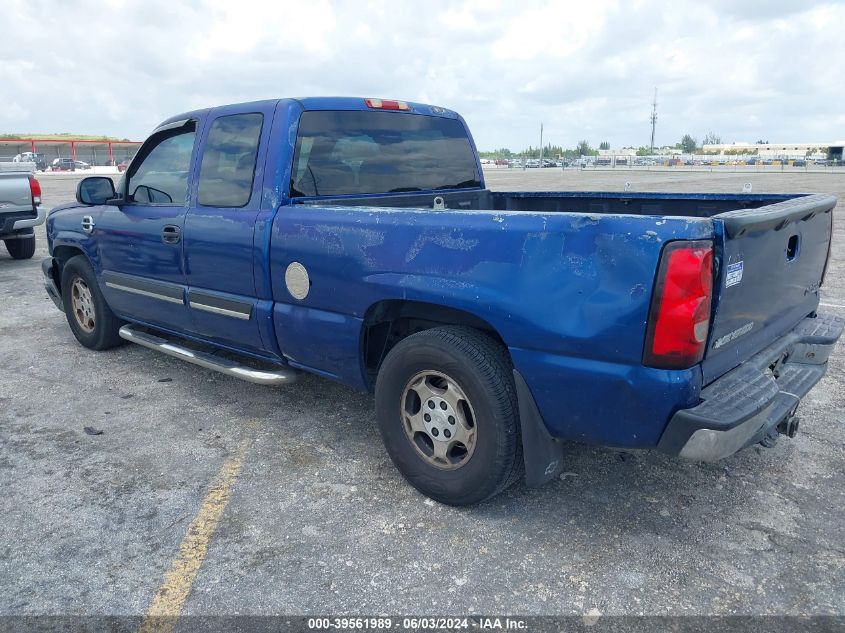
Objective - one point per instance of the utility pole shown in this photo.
(653, 119)
(541, 144)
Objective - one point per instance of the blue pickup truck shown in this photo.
(355, 239)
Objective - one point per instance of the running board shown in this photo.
(209, 361)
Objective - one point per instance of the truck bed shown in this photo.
(770, 248)
(699, 205)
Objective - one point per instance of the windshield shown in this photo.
(340, 153)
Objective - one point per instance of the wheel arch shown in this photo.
(389, 321)
(62, 253)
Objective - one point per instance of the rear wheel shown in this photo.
(89, 316)
(448, 414)
(21, 247)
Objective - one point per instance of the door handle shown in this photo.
(171, 234)
(87, 224)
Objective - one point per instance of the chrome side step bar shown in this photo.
(209, 361)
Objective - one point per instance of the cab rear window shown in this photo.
(347, 153)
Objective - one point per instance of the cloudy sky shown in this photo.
(744, 69)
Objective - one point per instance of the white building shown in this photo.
(779, 150)
(625, 151)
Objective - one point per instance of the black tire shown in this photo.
(481, 368)
(21, 247)
(103, 334)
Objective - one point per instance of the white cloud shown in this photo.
(745, 70)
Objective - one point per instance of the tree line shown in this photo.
(687, 145)
(583, 148)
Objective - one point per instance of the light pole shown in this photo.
(541, 144)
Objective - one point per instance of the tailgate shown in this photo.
(772, 261)
(15, 195)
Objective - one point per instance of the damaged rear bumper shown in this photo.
(746, 404)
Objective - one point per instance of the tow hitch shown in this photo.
(789, 426)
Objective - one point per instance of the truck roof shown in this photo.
(319, 103)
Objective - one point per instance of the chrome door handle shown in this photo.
(171, 234)
(87, 223)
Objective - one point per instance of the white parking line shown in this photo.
(832, 305)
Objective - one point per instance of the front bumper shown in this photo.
(48, 268)
(744, 405)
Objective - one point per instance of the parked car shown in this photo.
(81, 164)
(63, 164)
(124, 164)
(20, 212)
(360, 243)
(799, 162)
(32, 157)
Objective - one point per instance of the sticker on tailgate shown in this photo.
(734, 275)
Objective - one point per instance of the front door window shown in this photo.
(160, 177)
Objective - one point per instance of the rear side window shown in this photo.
(340, 153)
(228, 161)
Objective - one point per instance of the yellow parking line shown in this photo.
(171, 595)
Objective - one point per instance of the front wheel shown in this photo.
(448, 413)
(21, 247)
(89, 316)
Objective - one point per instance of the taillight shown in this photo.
(382, 104)
(679, 318)
(35, 190)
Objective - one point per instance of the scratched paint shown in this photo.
(450, 241)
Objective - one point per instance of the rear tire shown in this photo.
(89, 316)
(21, 247)
(448, 414)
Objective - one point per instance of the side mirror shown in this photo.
(94, 190)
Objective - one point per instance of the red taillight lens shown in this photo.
(383, 104)
(35, 190)
(679, 319)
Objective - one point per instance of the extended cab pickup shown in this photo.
(355, 239)
(20, 212)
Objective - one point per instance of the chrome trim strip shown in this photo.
(152, 295)
(229, 313)
(282, 376)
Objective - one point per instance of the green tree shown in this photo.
(584, 148)
(502, 152)
(711, 138)
(688, 144)
(604, 145)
